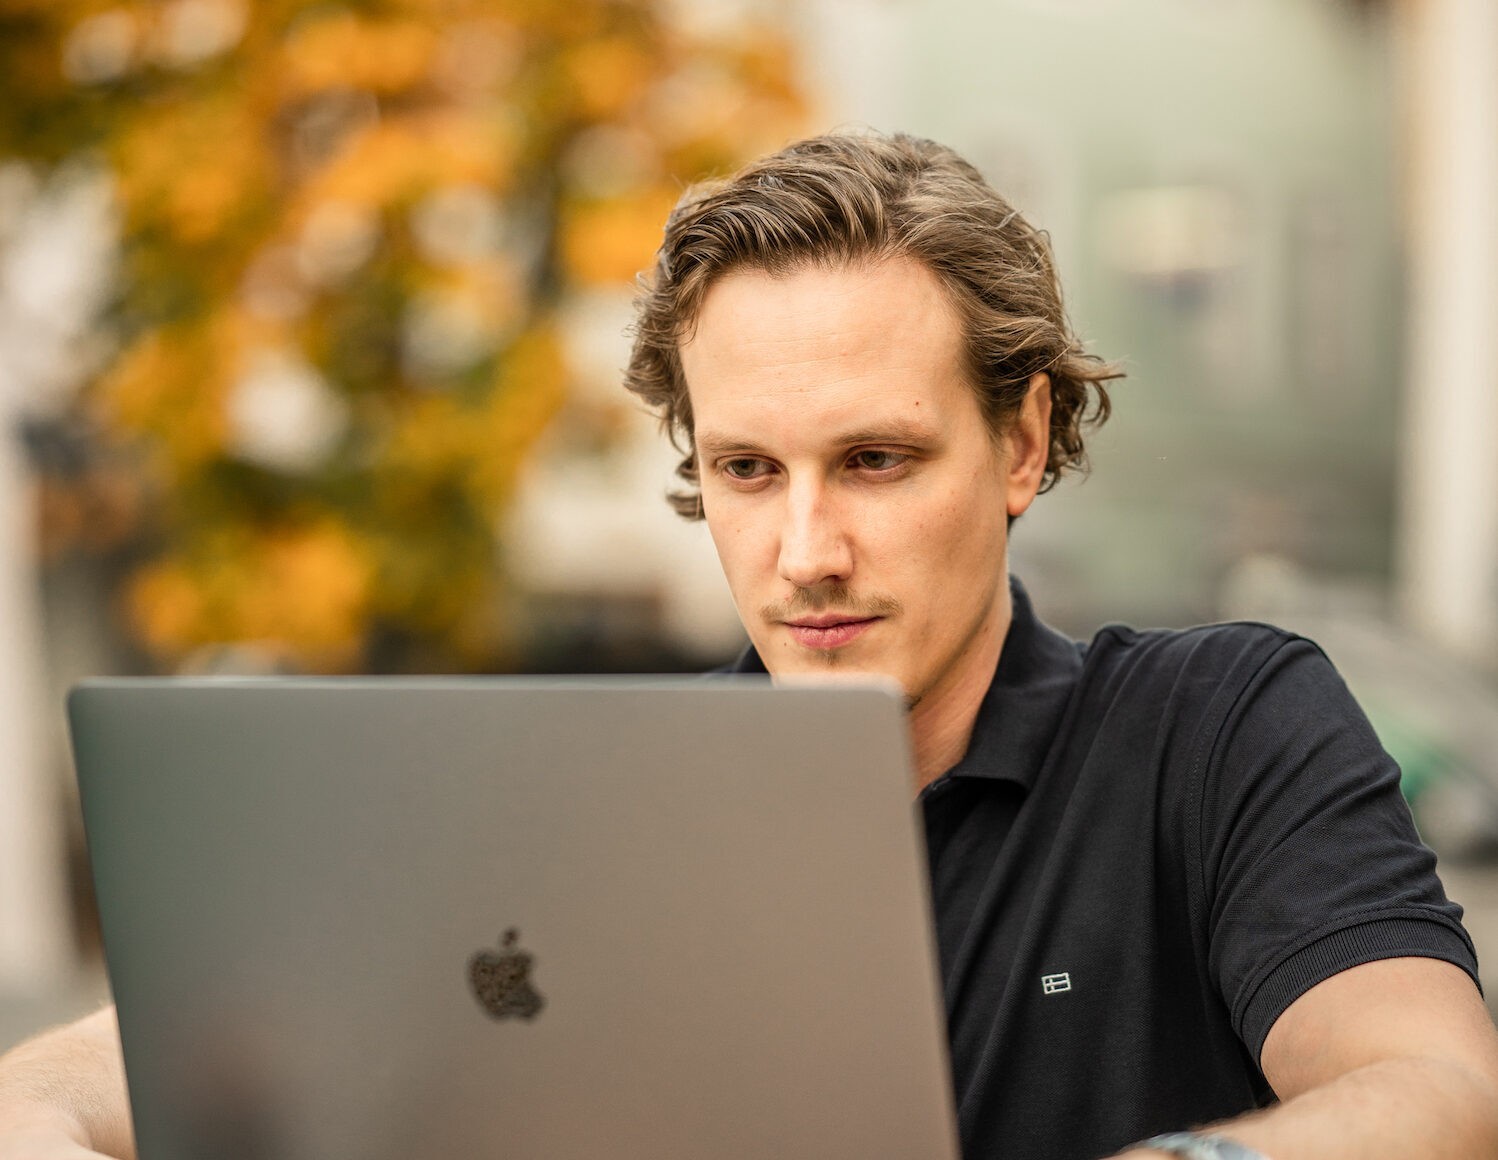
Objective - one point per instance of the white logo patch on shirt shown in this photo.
(1055, 984)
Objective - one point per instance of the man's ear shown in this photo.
(1028, 444)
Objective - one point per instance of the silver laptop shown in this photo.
(514, 918)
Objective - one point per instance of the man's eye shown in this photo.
(743, 468)
(878, 460)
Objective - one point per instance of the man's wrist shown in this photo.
(23, 1118)
(1200, 1146)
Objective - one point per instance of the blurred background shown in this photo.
(312, 317)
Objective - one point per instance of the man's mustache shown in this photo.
(835, 598)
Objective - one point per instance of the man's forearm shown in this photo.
(71, 1079)
(1433, 1109)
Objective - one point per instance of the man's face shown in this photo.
(856, 496)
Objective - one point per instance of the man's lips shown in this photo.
(825, 632)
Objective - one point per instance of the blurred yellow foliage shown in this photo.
(168, 386)
(390, 162)
(347, 231)
(606, 76)
(167, 604)
(301, 594)
(340, 50)
(190, 172)
(609, 241)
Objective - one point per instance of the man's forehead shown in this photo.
(758, 329)
(753, 304)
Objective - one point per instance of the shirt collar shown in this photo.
(1019, 715)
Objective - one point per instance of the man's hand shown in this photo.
(39, 1133)
(62, 1095)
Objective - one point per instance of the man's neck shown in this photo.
(941, 724)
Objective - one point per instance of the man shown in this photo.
(1172, 875)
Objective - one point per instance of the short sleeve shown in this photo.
(1309, 859)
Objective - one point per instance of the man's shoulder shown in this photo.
(1220, 648)
(1201, 674)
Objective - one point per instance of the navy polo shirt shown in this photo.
(1154, 844)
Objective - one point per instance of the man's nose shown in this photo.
(813, 547)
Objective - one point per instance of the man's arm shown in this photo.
(1396, 1058)
(62, 1094)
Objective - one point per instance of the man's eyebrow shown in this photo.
(717, 443)
(894, 431)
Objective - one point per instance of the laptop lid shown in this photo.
(514, 918)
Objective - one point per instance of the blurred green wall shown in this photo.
(1261, 409)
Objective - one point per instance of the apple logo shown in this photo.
(501, 982)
